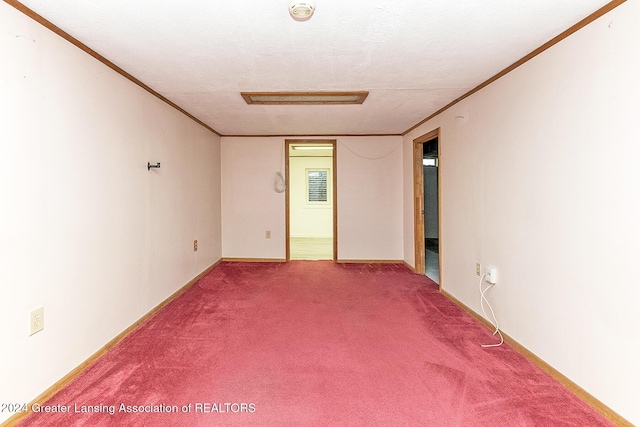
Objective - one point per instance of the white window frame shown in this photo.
(327, 171)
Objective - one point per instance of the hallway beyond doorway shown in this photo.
(311, 248)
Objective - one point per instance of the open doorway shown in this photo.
(310, 167)
(427, 228)
(430, 209)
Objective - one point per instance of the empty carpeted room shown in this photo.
(147, 219)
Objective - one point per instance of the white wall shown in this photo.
(309, 219)
(369, 198)
(250, 204)
(540, 179)
(407, 200)
(85, 230)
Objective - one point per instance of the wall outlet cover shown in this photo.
(36, 320)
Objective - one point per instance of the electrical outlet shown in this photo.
(492, 275)
(478, 269)
(195, 245)
(267, 234)
(36, 320)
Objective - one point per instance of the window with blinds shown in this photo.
(317, 186)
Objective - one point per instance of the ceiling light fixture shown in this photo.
(304, 98)
(301, 10)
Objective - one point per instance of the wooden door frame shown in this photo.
(334, 196)
(418, 202)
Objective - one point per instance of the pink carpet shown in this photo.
(313, 344)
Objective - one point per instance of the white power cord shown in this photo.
(494, 323)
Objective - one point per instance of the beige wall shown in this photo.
(85, 230)
(369, 197)
(250, 204)
(309, 219)
(540, 179)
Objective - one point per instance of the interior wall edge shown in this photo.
(584, 22)
(74, 373)
(581, 393)
(77, 43)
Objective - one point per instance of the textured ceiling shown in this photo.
(413, 56)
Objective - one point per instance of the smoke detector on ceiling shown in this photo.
(301, 10)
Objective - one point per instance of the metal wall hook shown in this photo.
(149, 166)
